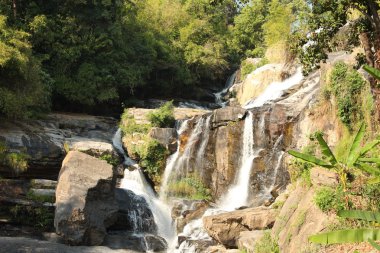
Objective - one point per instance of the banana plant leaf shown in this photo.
(346, 236)
(326, 150)
(367, 168)
(372, 71)
(354, 153)
(375, 180)
(374, 244)
(361, 215)
(370, 160)
(368, 147)
(310, 158)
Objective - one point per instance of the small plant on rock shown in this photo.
(163, 116)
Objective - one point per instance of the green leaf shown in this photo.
(374, 244)
(367, 168)
(372, 71)
(361, 215)
(310, 158)
(354, 154)
(325, 149)
(346, 236)
(375, 180)
(369, 147)
(370, 160)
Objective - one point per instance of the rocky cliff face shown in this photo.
(44, 141)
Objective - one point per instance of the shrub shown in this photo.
(18, 162)
(267, 244)
(190, 187)
(129, 125)
(110, 159)
(328, 199)
(153, 158)
(163, 116)
(39, 217)
(346, 84)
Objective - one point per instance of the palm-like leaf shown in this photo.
(368, 147)
(372, 71)
(375, 180)
(360, 215)
(325, 149)
(369, 169)
(346, 236)
(374, 244)
(370, 160)
(354, 153)
(310, 158)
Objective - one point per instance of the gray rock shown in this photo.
(85, 202)
(134, 213)
(165, 136)
(224, 115)
(138, 242)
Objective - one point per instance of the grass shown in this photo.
(190, 187)
(267, 244)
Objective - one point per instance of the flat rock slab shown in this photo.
(26, 245)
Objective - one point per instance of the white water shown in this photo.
(135, 182)
(237, 195)
(275, 90)
(219, 95)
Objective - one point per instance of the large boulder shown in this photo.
(165, 136)
(227, 227)
(227, 114)
(85, 199)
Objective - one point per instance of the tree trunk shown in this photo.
(14, 7)
(366, 44)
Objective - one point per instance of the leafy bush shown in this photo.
(190, 187)
(129, 125)
(18, 162)
(346, 84)
(39, 217)
(109, 158)
(267, 244)
(163, 116)
(153, 158)
(328, 199)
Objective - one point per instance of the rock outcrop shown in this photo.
(227, 227)
(85, 202)
(44, 141)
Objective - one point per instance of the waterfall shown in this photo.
(237, 195)
(135, 181)
(275, 90)
(219, 95)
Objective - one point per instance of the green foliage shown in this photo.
(39, 217)
(267, 244)
(163, 117)
(17, 162)
(40, 198)
(129, 125)
(328, 199)
(109, 158)
(190, 187)
(153, 158)
(346, 84)
(23, 92)
(352, 235)
(248, 67)
(299, 168)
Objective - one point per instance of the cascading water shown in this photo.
(135, 181)
(237, 195)
(219, 95)
(275, 90)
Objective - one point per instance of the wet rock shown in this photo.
(134, 213)
(228, 114)
(165, 136)
(85, 202)
(323, 177)
(226, 228)
(198, 209)
(137, 242)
